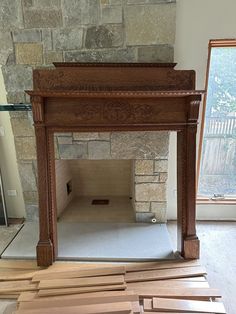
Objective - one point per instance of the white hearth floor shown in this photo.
(98, 242)
(80, 209)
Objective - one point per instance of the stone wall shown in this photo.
(38, 32)
(35, 33)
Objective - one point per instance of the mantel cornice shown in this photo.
(114, 64)
(117, 94)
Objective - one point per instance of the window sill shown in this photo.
(227, 201)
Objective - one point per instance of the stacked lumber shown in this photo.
(157, 287)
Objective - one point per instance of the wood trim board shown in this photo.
(190, 306)
(165, 274)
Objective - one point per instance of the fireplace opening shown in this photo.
(117, 177)
(99, 190)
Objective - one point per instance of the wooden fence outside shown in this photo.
(219, 147)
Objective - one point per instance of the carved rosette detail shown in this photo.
(37, 108)
(88, 112)
(117, 112)
(125, 112)
(143, 112)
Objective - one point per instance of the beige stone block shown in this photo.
(157, 206)
(142, 207)
(144, 167)
(145, 192)
(27, 176)
(163, 176)
(146, 179)
(99, 150)
(111, 14)
(63, 134)
(22, 127)
(42, 18)
(105, 136)
(25, 148)
(29, 53)
(85, 136)
(150, 24)
(139, 145)
(161, 165)
(78, 150)
(64, 140)
(53, 56)
(30, 197)
(6, 46)
(18, 114)
(160, 211)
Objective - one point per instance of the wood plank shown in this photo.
(166, 283)
(202, 279)
(15, 270)
(27, 296)
(19, 289)
(9, 284)
(13, 296)
(59, 265)
(165, 274)
(19, 264)
(159, 304)
(161, 265)
(81, 282)
(17, 275)
(33, 296)
(16, 286)
(74, 300)
(178, 293)
(78, 273)
(116, 308)
(66, 291)
(147, 304)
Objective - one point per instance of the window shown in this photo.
(217, 177)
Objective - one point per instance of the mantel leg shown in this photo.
(188, 243)
(44, 248)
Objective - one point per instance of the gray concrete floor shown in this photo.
(98, 242)
(7, 306)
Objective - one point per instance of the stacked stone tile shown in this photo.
(35, 33)
(38, 32)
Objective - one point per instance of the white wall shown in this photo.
(197, 22)
(63, 176)
(8, 164)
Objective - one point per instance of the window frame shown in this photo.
(213, 43)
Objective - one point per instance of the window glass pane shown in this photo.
(218, 161)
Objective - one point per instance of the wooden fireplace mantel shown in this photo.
(90, 97)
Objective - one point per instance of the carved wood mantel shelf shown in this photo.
(89, 97)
